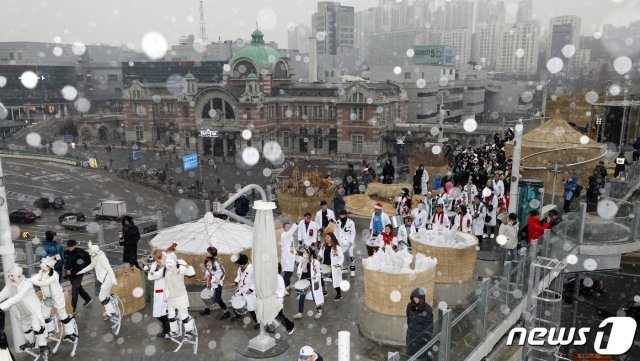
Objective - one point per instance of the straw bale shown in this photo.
(454, 264)
(379, 286)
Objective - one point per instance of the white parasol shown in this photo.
(265, 263)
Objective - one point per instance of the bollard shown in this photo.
(159, 220)
(101, 236)
(344, 346)
(30, 259)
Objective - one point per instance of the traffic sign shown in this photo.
(137, 155)
(67, 138)
(190, 161)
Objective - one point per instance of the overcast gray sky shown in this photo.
(122, 21)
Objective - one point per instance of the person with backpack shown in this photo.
(571, 191)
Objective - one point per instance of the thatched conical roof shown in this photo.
(553, 134)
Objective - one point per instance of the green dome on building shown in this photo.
(252, 76)
(263, 56)
(189, 77)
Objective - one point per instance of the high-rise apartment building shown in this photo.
(334, 27)
(461, 40)
(488, 37)
(564, 30)
(518, 47)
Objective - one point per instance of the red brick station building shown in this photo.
(258, 92)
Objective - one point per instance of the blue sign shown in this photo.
(190, 161)
(67, 138)
(137, 155)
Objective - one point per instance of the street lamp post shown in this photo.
(598, 123)
(442, 94)
(624, 114)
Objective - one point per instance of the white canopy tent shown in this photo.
(194, 237)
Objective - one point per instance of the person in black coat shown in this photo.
(241, 206)
(593, 192)
(419, 322)
(388, 172)
(417, 181)
(129, 240)
(75, 259)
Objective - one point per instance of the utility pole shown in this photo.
(515, 168)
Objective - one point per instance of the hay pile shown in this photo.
(362, 205)
(303, 192)
(387, 192)
(432, 163)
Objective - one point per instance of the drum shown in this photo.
(238, 302)
(326, 272)
(206, 294)
(330, 228)
(397, 221)
(302, 286)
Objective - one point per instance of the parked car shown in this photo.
(79, 216)
(72, 224)
(37, 212)
(46, 202)
(22, 216)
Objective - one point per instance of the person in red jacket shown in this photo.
(535, 228)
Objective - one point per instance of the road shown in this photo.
(82, 188)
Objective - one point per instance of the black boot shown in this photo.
(236, 316)
(338, 294)
(205, 312)
(166, 327)
(225, 315)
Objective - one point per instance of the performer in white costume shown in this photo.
(19, 294)
(106, 277)
(288, 247)
(174, 271)
(245, 287)
(346, 235)
(53, 296)
(160, 308)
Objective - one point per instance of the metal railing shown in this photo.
(463, 327)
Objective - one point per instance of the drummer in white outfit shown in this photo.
(440, 221)
(478, 214)
(287, 252)
(332, 257)
(307, 231)
(245, 287)
(420, 217)
(471, 191)
(404, 231)
(324, 216)
(346, 235)
(463, 221)
(310, 282)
